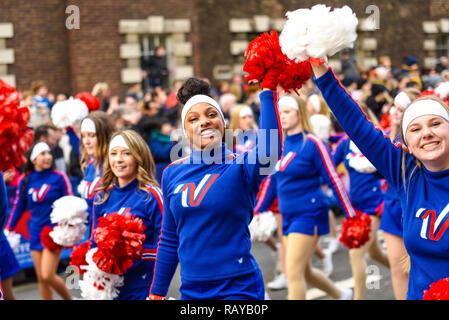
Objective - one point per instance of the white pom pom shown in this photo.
(13, 239)
(443, 90)
(359, 162)
(81, 187)
(318, 32)
(67, 235)
(321, 126)
(70, 215)
(262, 226)
(66, 113)
(68, 209)
(97, 284)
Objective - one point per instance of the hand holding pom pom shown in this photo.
(47, 240)
(438, 290)
(78, 256)
(356, 231)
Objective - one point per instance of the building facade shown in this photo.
(72, 45)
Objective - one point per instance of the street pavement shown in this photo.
(379, 286)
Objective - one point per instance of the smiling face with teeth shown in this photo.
(428, 140)
(204, 126)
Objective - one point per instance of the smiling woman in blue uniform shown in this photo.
(209, 199)
(38, 189)
(128, 185)
(305, 165)
(418, 173)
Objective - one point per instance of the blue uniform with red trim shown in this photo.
(92, 178)
(147, 206)
(365, 188)
(391, 221)
(8, 262)
(209, 199)
(43, 188)
(423, 195)
(306, 164)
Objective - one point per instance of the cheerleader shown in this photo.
(366, 196)
(129, 185)
(418, 173)
(244, 127)
(305, 159)
(95, 130)
(209, 198)
(391, 222)
(38, 189)
(8, 262)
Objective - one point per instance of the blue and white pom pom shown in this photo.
(318, 32)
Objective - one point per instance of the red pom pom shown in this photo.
(432, 93)
(15, 137)
(119, 240)
(92, 102)
(438, 290)
(294, 75)
(264, 59)
(78, 256)
(47, 240)
(355, 231)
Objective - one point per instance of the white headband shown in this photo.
(118, 141)
(402, 99)
(199, 98)
(38, 149)
(315, 100)
(88, 126)
(422, 108)
(288, 101)
(245, 111)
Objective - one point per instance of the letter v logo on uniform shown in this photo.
(192, 195)
(434, 223)
(39, 194)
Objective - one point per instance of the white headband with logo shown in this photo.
(422, 108)
(88, 126)
(288, 101)
(402, 99)
(199, 98)
(118, 141)
(38, 149)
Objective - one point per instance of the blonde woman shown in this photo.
(304, 166)
(244, 127)
(128, 185)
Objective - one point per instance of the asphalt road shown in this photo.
(379, 286)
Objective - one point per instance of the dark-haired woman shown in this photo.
(38, 189)
(209, 198)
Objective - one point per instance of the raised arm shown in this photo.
(372, 142)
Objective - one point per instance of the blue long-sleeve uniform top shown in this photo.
(92, 178)
(147, 206)
(365, 188)
(423, 194)
(3, 206)
(209, 203)
(74, 140)
(43, 188)
(305, 165)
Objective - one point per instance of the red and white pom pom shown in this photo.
(70, 215)
(119, 238)
(78, 256)
(92, 102)
(13, 239)
(355, 231)
(67, 113)
(438, 290)
(97, 284)
(262, 226)
(47, 240)
(318, 32)
(443, 90)
(15, 137)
